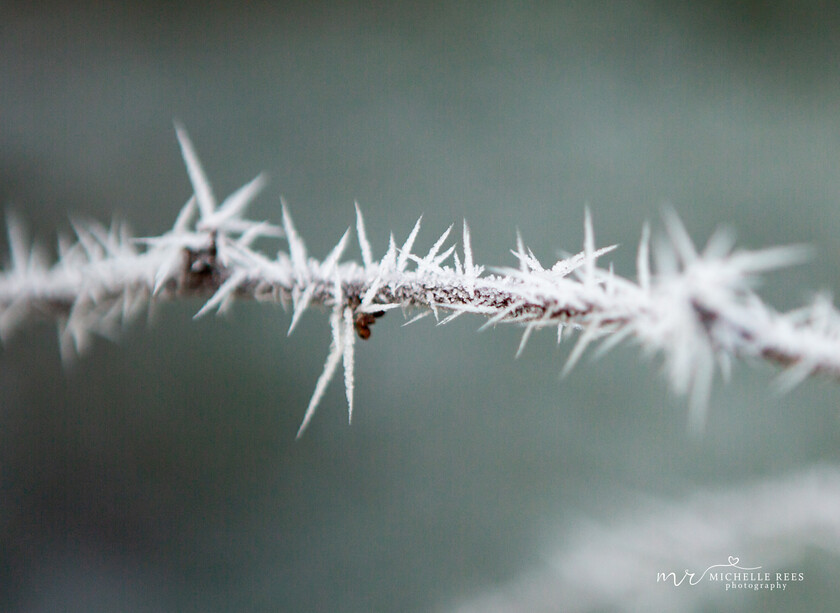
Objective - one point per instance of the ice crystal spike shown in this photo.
(589, 334)
(468, 254)
(223, 293)
(459, 270)
(520, 252)
(301, 302)
(330, 365)
(524, 341)
(681, 242)
(334, 256)
(203, 191)
(297, 249)
(430, 257)
(643, 259)
(389, 260)
(349, 339)
(184, 219)
(588, 249)
(364, 244)
(18, 243)
(405, 252)
(234, 205)
(697, 309)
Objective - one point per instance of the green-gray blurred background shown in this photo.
(161, 472)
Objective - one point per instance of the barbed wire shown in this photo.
(696, 308)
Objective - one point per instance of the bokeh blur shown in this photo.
(160, 473)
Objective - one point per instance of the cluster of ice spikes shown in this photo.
(697, 309)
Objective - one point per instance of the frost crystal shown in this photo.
(696, 308)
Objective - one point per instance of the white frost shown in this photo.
(695, 308)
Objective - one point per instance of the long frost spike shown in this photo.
(297, 249)
(643, 259)
(182, 222)
(680, 240)
(390, 258)
(520, 252)
(364, 244)
(430, 257)
(334, 357)
(18, 243)
(524, 341)
(405, 252)
(225, 290)
(588, 249)
(468, 254)
(331, 261)
(469, 266)
(234, 205)
(301, 302)
(586, 338)
(349, 339)
(201, 186)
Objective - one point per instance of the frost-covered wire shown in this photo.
(695, 308)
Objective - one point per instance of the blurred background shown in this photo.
(161, 472)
